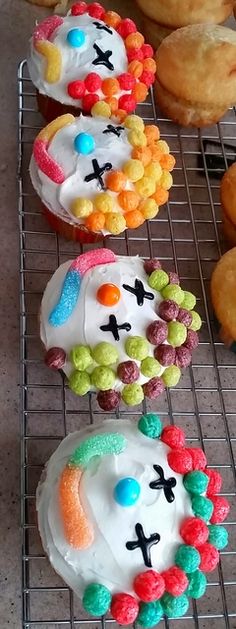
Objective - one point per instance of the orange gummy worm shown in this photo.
(78, 530)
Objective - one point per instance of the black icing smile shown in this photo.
(98, 171)
(164, 483)
(144, 543)
(102, 58)
(102, 27)
(114, 328)
(139, 292)
(116, 130)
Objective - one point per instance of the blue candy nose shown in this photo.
(75, 37)
(127, 492)
(84, 143)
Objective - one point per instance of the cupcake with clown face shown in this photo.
(87, 57)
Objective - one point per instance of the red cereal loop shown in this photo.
(124, 608)
(88, 101)
(215, 482)
(147, 51)
(126, 27)
(79, 8)
(198, 458)
(96, 10)
(209, 557)
(176, 581)
(147, 78)
(76, 89)
(173, 436)
(127, 102)
(194, 531)
(92, 82)
(126, 81)
(134, 54)
(149, 586)
(221, 509)
(180, 461)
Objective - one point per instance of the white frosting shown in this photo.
(108, 148)
(78, 62)
(83, 326)
(107, 560)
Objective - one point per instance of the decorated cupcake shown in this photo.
(131, 520)
(98, 177)
(89, 56)
(120, 326)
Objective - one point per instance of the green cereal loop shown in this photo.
(187, 558)
(177, 333)
(189, 301)
(197, 584)
(105, 354)
(196, 322)
(149, 614)
(202, 507)
(174, 606)
(137, 347)
(80, 356)
(150, 425)
(158, 279)
(96, 599)
(98, 445)
(132, 394)
(103, 378)
(150, 367)
(174, 292)
(218, 536)
(171, 376)
(79, 382)
(196, 482)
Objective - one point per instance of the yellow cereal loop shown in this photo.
(166, 180)
(153, 170)
(137, 138)
(133, 169)
(149, 208)
(145, 186)
(134, 122)
(115, 223)
(163, 146)
(81, 207)
(101, 109)
(103, 202)
(52, 55)
(49, 131)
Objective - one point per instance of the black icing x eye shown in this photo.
(115, 130)
(139, 292)
(102, 27)
(114, 328)
(98, 172)
(167, 484)
(102, 58)
(144, 543)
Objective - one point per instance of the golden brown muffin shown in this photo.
(176, 13)
(154, 33)
(196, 70)
(228, 204)
(223, 296)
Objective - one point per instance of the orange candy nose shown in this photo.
(108, 294)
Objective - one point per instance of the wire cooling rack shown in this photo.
(187, 237)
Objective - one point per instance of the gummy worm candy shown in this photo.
(77, 528)
(52, 54)
(46, 163)
(71, 285)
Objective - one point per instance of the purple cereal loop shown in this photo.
(168, 310)
(153, 388)
(151, 265)
(183, 357)
(173, 278)
(55, 358)
(157, 332)
(185, 317)
(191, 340)
(128, 372)
(165, 354)
(108, 400)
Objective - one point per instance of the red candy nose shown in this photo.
(108, 294)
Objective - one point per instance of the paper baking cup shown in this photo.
(51, 109)
(70, 231)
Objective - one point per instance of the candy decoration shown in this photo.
(171, 376)
(149, 586)
(158, 280)
(96, 599)
(202, 507)
(132, 394)
(198, 459)
(46, 163)
(196, 321)
(108, 400)
(180, 461)
(108, 294)
(218, 536)
(176, 581)
(127, 102)
(151, 426)
(174, 607)
(149, 614)
(152, 265)
(165, 354)
(196, 482)
(191, 341)
(55, 358)
(187, 558)
(215, 482)
(45, 29)
(128, 372)
(79, 382)
(150, 367)
(147, 51)
(76, 89)
(124, 608)
(153, 388)
(209, 557)
(136, 347)
(96, 10)
(79, 8)
(177, 332)
(183, 357)
(89, 101)
(174, 292)
(197, 584)
(77, 529)
(84, 143)
(194, 531)
(126, 492)
(81, 207)
(52, 55)
(103, 378)
(126, 27)
(80, 357)
(168, 310)
(75, 37)
(99, 445)
(112, 18)
(126, 81)
(189, 300)
(105, 354)
(157, 332)
(220, 509)
(173, 436)
(92, 82)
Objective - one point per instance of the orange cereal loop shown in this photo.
(111, 18)
(161, 196)
(112, 102)
(134, 219)
(139, 92)
(143, 153)
(156, 152)
(135, 68)
(167, 161)
(95, 221)
(116, 180)
(121, 114)
(134, 40)
(110, 87)
(152, 133)
(128, 200)
(149, 65)
(77, 530)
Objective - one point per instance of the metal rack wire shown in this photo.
(187, 237)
